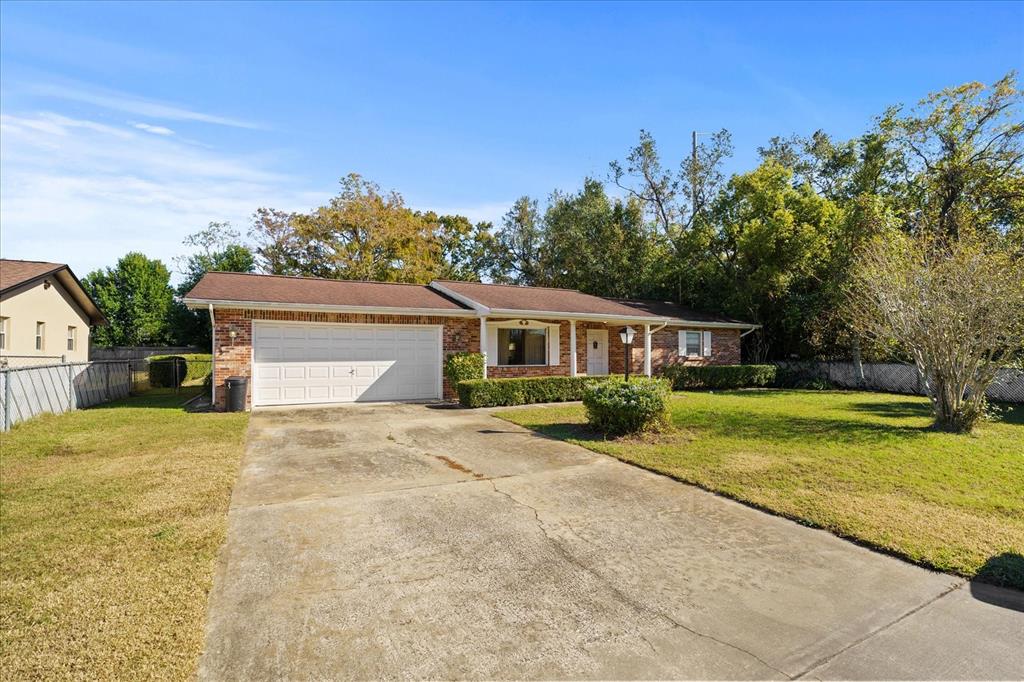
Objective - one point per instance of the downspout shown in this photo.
(213, 360)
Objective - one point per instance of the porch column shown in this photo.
(483, 342)
(572, 348)
(647, 349)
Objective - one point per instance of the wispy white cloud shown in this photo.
(85, 193)
(130, 104)
(155, 130)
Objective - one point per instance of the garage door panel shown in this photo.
(296, 364)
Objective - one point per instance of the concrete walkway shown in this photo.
(385, 541)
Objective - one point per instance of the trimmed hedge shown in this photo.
(171, 371)
(463, 367)
(685, 377)
(522, 391)
(621, 407)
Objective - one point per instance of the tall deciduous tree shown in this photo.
(954, 304)
(769, 255)
(218, 249)
(136, 298)
(598, 244)
(518, 246)
(962, 153)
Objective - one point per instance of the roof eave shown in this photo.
(196, 303)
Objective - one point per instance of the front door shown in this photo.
(597, 352)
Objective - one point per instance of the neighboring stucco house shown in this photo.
(45, 314)
(305, 340)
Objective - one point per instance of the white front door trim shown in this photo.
(597, 358)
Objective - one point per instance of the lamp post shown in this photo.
(627, 334)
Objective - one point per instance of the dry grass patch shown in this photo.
(862, 465)
(111, 521)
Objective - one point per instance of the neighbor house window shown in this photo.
(40, 335)
(692, 344)
(72, 338)
(522, 346)
(3, 333)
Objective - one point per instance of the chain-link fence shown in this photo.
(28, 391)
(892, 377)
(178, 374)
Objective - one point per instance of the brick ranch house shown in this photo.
(303, 340)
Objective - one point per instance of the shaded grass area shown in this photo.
(111, 521)
(866, 466)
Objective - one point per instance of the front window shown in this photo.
(692, 344)
(522, 346)
(40, 336)
(72, 338)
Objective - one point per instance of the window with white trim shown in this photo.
(691, 342)
(40, 335)
(72, 338)
(3, 333)
(522, 346)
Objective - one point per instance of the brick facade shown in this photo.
(725, 349)
(233, 358)
(462, 334)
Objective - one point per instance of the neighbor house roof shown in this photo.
(498, 298)
(18, 273)
(443, 297)
(277, 290)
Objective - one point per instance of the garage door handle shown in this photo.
(352, 372)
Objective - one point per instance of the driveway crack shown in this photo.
(637, 606)
(882, 628)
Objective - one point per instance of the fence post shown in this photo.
(7, 401)
(71, 390)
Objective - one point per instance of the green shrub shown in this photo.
(463, 367)
(503, 392)
(620, 407)
(171, 371)
(720, 377)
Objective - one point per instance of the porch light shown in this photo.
(627, 334)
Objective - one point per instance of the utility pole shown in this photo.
(693, 173)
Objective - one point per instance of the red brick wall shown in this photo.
(725, 349)
(463, 334)
(460, 334)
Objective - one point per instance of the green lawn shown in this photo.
(861, 465)
(111, 520)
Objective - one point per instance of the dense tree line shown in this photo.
(775, 245)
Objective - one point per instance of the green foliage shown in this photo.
(719, 377)
(171, 371)
(522, 391)
(220, 250)
(459, 367)
(620, 407)
(366, 233)
(136, 298)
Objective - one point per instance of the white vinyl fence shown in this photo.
(893, 377)
(28, 391)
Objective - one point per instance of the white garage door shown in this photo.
(340, 363)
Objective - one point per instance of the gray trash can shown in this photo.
(237, 388)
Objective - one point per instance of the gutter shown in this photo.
(213, 360)
(197, 303)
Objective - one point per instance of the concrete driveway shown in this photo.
(386, 541)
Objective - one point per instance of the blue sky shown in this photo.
(127, 127)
